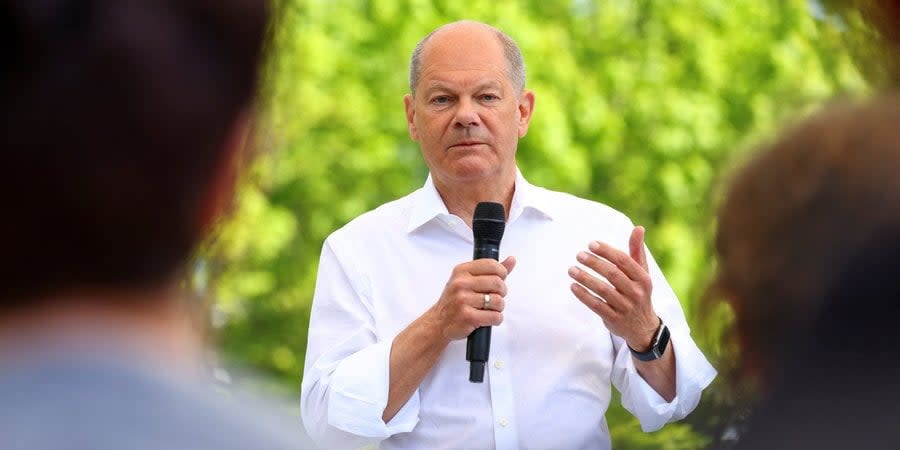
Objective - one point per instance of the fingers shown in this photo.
(475, 300)
(623, 281)
(496, 303)
(474, 316)
(636, 247)
(487, 266)
(509, 263)
(458, 315)
(481, 276)
(484, 318)
(471, 288)
(624, 262)
(477, 284)
(606, 312)
(462, 307)
(616, 283)
(597, 287)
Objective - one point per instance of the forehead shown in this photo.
(468, 52)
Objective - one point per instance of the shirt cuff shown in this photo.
(693, 373)
(359, 394)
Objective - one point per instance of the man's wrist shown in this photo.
(657, 346)
(644, 341)
(431, 324)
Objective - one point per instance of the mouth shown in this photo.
(466, 144)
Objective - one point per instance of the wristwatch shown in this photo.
(657, 348)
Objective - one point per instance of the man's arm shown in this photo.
(357, 389)
(413, 353)
(659, 373)
(659, 391)
(338, 405)
(455, 315)
(623, 301)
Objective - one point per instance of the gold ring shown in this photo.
(487, 301)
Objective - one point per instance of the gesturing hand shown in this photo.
(623, 300)
(460, 311)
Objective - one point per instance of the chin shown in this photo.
(470, 168)
(474, 173)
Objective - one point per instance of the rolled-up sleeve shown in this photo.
(346, 375)
(693, 372)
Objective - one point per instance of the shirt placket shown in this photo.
(502, 406)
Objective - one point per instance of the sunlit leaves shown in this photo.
(640, 104)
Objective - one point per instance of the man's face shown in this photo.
(466, 115)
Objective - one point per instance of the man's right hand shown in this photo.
(455, 315)
(459, 310)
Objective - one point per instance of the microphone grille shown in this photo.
(489, 221)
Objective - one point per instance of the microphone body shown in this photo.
(488, 225)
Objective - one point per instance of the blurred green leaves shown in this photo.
(641, 104)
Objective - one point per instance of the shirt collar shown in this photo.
(427, 203)
(530, 197)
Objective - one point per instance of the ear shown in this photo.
(409, 103)
(526, 108)
(219, 195)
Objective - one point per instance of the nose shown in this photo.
(466, 114)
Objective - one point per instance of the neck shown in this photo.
(153, 325)
(462, 197)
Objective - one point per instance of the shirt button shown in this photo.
(498, 364)
(504, 422)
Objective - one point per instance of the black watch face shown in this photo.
(663, 341)
(658, 347)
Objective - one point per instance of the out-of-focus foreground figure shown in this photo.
(120, 126)
(808, 244)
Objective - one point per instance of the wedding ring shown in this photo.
(487, 301)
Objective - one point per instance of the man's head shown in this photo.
(119, 126)
(511, 51)
(793, 216)
(468, 108)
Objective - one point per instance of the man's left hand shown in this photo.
(623, 299)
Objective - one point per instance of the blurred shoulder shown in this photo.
(75, 404)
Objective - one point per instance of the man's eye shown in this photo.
(441, 100)
(489, 97)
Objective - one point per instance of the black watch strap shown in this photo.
(657, 347)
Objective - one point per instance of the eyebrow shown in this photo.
(436, 85)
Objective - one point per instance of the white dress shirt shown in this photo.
(552, 361)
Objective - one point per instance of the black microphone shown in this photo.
(488, 224)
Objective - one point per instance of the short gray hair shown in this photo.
(514, 60)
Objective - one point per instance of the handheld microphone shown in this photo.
(488, 225)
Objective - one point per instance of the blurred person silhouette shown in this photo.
(808, 245)
(841, 386)
(120, 128)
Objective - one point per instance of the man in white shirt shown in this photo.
(397, 291)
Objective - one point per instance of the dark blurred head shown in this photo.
(838, 388)
(792, 218)
(114, 127)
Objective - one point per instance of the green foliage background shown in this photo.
(641, 104)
